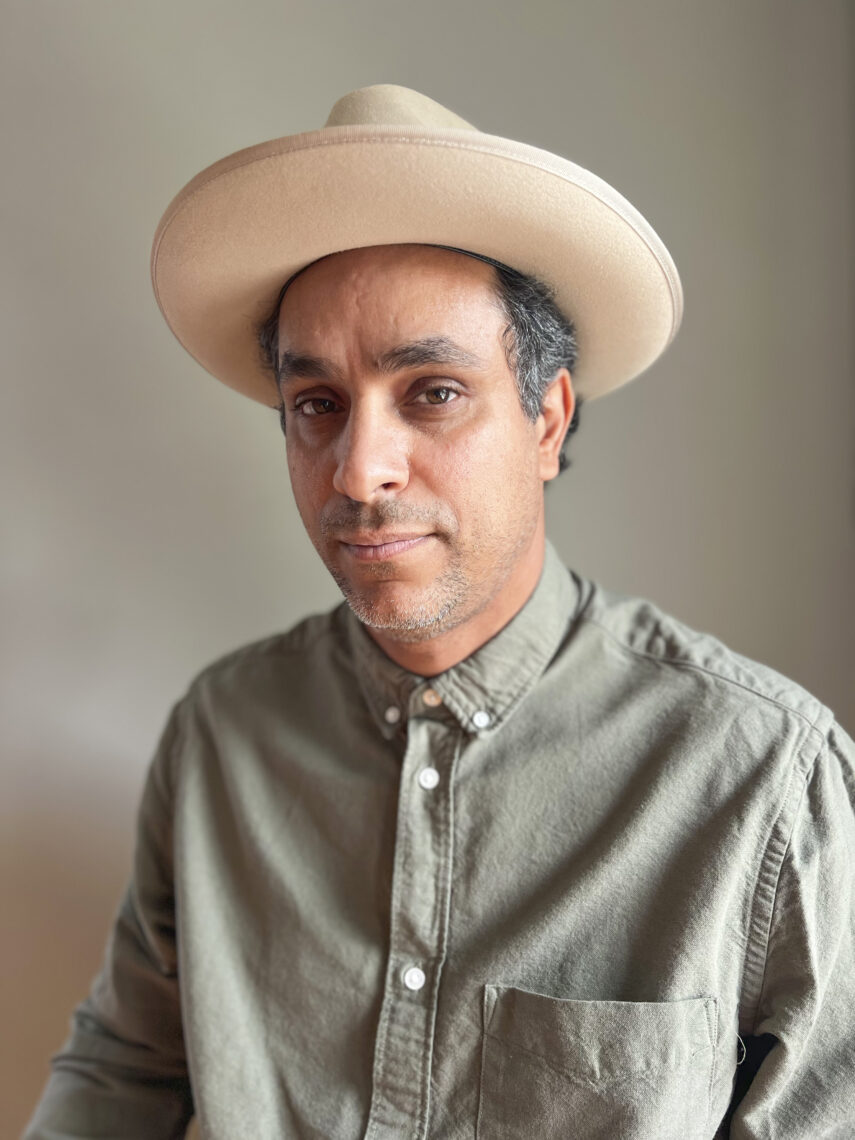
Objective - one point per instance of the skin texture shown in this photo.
(418, 477)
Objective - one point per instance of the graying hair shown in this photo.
(539, 340)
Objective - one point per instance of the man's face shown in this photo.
(416, 473)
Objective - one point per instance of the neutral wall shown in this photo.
(147, 524)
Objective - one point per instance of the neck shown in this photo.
(436, 654)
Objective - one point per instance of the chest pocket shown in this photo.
(596, 1070)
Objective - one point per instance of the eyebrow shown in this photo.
(416, 354)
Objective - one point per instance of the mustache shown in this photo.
(351, 515)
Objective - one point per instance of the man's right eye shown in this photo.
(316, 406)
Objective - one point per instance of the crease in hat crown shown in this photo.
(392, 165)
(387, 104)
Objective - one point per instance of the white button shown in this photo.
(414, 978)
(432, 698)
(428, 778)
(481, 719)
(392, 715)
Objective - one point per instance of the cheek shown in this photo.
(295, 474)
(304, 485)
(484, 476)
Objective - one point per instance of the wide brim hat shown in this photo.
(393, 166)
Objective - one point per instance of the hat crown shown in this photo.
(393, 166)
(386, 104)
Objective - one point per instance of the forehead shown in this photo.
(393, 291)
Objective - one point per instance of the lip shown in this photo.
(376, 548)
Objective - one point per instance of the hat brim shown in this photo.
(241, 228)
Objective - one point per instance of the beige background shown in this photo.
(147, 522)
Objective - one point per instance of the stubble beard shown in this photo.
(446, 602)
(440, 607)
(452, 598)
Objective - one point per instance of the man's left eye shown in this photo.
(441, 395)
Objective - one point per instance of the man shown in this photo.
(488, 850)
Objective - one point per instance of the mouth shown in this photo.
(376, 548)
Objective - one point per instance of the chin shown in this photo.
(409, 615)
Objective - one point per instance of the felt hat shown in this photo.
(392, 166)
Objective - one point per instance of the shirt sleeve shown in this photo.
(123, 1071)
(804, 1088)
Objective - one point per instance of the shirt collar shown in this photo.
(484, 689)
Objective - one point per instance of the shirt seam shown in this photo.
(712, 1031)
(753, 1006)
(400, 887)
(671, 661)
(446, 877)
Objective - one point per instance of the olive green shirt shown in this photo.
(594, 881)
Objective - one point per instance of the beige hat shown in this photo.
(391, 166)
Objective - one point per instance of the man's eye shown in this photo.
(317, 406)
(440, 395)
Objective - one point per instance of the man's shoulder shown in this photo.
(657, 644)
(310, 646)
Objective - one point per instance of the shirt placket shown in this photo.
(421, 887)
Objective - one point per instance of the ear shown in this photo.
(559, 403)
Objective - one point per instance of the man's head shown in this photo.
(370, 456)
(405, 422)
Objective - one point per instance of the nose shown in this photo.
(372, 457)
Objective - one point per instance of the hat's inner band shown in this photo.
(433, 245)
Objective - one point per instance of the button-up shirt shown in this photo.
(596, 880)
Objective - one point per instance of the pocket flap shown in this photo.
(601, 1040)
